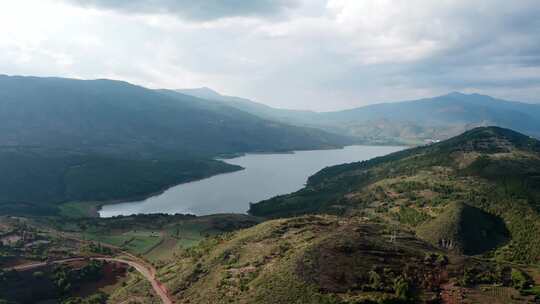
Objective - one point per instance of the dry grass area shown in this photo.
(319, 259)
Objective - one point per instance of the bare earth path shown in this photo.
(146, 271)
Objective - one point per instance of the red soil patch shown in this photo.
(112, 274)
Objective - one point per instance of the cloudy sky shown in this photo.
(303, 54)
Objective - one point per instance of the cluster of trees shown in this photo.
(410, 216)
(66, 279)
(97, 248)
(33, 184)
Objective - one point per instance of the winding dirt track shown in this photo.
(149, 274)
(146, 271)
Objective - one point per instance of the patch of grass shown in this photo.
(465, 229)
(535, 291)
(137, 242)
(269, 263)
(79, 209)
(410, 216)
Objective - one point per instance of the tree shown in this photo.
(375, 280)
(402, 289)
(520, 280)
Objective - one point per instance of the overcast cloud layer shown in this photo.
(304, 54)
(194, 9)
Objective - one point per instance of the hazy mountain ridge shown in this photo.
(114, 117)
(454, 110)
(407, 121)
(300, 117)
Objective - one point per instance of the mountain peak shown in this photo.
(465, 229)
(492, 140)
(455, 94)
(202, 92)
(473, 96)
(207, 90)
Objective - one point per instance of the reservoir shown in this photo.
(264, 176)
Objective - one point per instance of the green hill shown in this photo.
(464, 229)
(493, 169)
(332, 260)
(310, 259)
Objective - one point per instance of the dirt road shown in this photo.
(147, 272)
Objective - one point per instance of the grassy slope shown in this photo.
(493, 169)
(464, 229)
(322, 259)
(257, 265)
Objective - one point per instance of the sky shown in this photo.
(320, 55)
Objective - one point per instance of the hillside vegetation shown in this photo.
(330, 259)
(444, 223)
(494, 171)
(464, 229)
(300, 260)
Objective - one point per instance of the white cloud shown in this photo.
(323, 55)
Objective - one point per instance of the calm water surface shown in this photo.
(265, 176)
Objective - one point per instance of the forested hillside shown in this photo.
(494, 170)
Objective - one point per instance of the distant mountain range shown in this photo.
(409, 122)
(117, 118)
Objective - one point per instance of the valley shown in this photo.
(269, 152)
(172, 176)
(442, 223)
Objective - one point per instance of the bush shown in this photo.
(520, 280)
(402, 289)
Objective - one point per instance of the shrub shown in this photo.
(520, 280)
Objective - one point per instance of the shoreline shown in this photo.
(93, 208)
(141, 198)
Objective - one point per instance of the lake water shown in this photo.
(264, 176)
